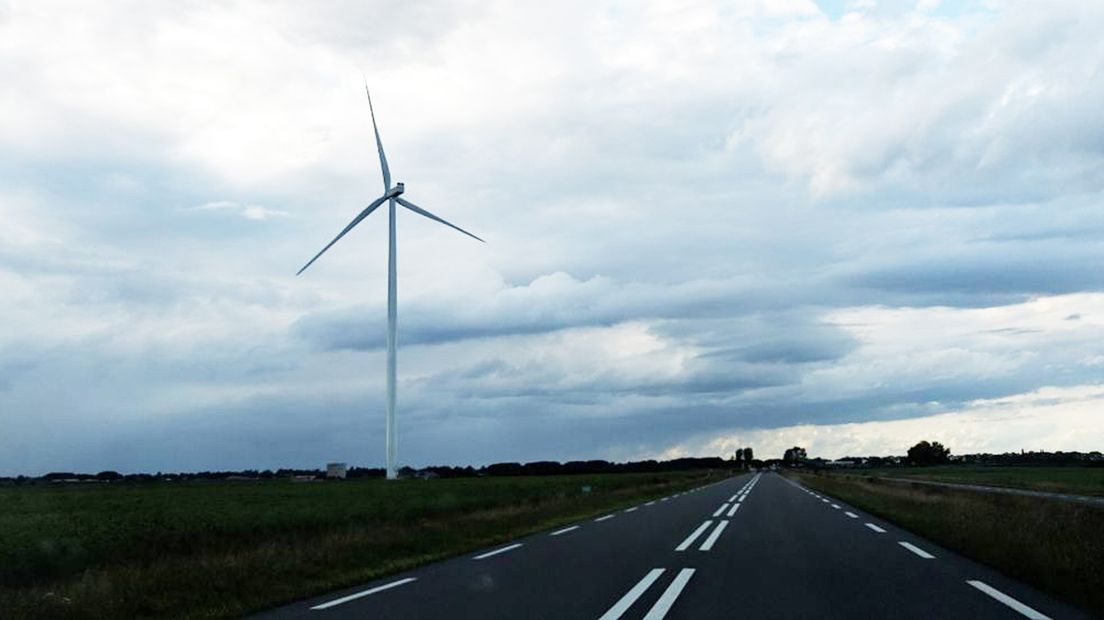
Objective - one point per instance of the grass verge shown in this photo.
(225, 549)
(1058, 547)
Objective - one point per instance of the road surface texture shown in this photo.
(753, 546)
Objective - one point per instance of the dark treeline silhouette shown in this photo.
(537, 468)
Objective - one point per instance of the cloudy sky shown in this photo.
(847, 225)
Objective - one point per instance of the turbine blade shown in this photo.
(379, 144)
(420, 211)
(363, 214)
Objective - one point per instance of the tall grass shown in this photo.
(224, 549)
(1055, 546)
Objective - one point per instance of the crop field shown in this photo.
(1076, 480)
(1056, 546)
(221, 549)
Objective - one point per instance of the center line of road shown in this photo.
(733, 510)
(733, 498)
(713, 536)
(663, 605)
(564, 531)
(875, 528)
(623, 605)
(917, 550)
(353, 597)
(497, 551)
(690, 539)
(852, 515)
(603, 518)
(723, 508)
(1007, 600)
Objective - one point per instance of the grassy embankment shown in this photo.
(1055, 546)
(223, 549)
(1075, 480)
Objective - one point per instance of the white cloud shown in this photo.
(249, 212)
(700, 216)
(1067, 418)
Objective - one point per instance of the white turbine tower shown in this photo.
(391, 195)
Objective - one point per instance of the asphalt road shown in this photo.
(753, 546)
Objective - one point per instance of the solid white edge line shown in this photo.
(1007, 600)
(353, 597)
(732, 511)
(713, 536)
(667, 599)
(693, 536)
(875, 528)
(497, 551)
(564, 531)
(851, 514)
(625, 602)
(917, 550)
(720, 510)
(599, 519)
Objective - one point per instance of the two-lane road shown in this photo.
(754, 546)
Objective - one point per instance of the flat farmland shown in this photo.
(220, 549)
(1055, 479)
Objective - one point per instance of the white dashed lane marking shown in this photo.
(917, 550)
(353, 597)
(625, 602)
(564, 531)
(1008, 600)
(663, 605)
(685, 544)
(875, 528)
(497, 551)
(713, 536)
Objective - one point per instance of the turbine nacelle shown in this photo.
(396, 191)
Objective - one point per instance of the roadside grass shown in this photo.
(1056, 546)
(203, 550)
(1057, 479)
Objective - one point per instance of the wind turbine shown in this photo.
(391, 195)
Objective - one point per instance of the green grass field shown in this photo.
(223, 549)
(1076, 480)
(1053, 545)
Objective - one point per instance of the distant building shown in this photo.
(336, 470)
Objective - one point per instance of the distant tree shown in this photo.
(925, 453)
(748, 455)
(108, 476)
(794, 456)
(739, 457)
